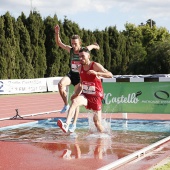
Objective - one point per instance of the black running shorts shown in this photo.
(74, 77)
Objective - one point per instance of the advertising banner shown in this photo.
(16, 86)
(52, 83)
(135, 97)
(138, 97)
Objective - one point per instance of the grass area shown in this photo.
(163, 167)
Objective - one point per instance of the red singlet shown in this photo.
(92, 89)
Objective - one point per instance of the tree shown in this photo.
(3, 49)
(137, 58)
(106, 51)
(12, 49)
(30, 50)
(52, 50)
(158, 58)
(98, 55)
(36, 28)
(117, 43)
(23, 37)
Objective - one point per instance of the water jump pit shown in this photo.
(86, 148)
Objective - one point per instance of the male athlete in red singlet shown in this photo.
(92, 88)
(89, 92)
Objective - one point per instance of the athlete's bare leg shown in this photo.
(78, 101)
(76, 110)
(76, 116)
(97, 118)
(64, 82)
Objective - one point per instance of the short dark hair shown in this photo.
(84, 49)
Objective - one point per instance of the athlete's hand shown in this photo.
(92, 72)
(57, 29)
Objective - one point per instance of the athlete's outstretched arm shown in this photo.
(93, 46)
(58, 40)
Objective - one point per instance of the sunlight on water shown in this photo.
(129, 131)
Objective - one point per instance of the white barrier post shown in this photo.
(124, 115)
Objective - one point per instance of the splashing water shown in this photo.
(106, 124)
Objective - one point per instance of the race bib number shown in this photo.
(75, 65)
(89, 87)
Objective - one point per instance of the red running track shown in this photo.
(34, 156)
